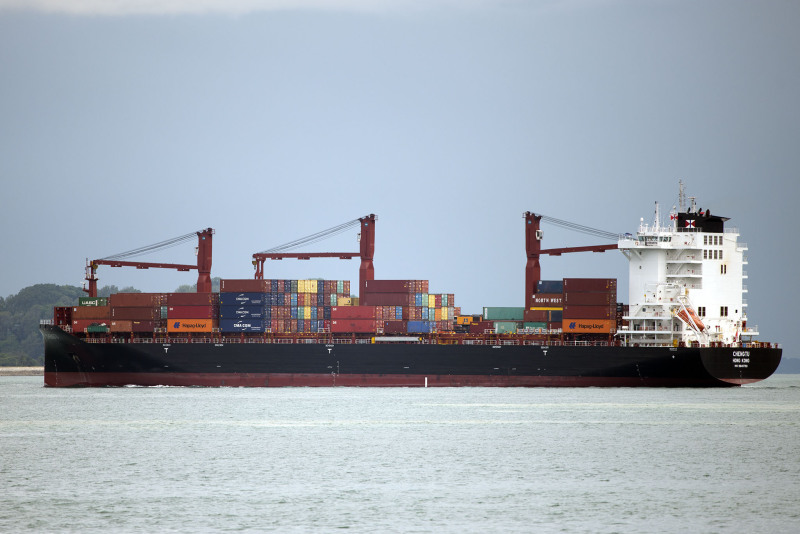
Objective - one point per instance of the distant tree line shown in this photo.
(20, 341)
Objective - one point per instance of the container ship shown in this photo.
(685, 325)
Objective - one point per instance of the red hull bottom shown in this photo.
(77, 379)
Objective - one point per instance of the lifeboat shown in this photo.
(688, 316)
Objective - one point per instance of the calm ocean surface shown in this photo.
(399, 460)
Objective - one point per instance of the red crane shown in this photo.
(204, 241)
(366, 253)
(533, 238)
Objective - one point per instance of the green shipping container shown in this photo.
(506, 327)
(534, 325)
(503, 314)
(92, 301)
(97, 329)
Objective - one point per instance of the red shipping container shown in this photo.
(536, 316)
(590, 312)
(246, 285)
(359, 326)
(548, 299)
(388, 286)
(142, 326)
(135, 313)
(130, 300)
(190, 312)
(480, 326)
(590, 284)
(395, 327)
(190, 299)
(91, 312)
(385, 299)
(590, 299)
(354, 312)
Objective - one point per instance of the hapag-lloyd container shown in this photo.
(588, 326)
(189, 325)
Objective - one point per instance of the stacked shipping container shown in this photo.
(590, 305)
(400, 306)
(280, 306)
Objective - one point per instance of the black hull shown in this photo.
(70, 361)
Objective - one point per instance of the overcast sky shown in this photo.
(127, 123)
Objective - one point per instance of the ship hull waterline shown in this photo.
(72, 362)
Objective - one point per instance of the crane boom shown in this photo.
(533, 249)
(366, 252)
(204, 241)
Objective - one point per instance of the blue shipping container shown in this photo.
(550, 286)
(242, 299)
(241, 325)
(243, 312)
(420, 327)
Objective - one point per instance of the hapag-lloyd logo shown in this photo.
(184, 324)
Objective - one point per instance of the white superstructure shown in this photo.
(685, 281)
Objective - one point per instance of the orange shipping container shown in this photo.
(121, 326)
(589, 326)
(189, 325)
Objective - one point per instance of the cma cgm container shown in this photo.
(241, 325)
(244, 298)
(243, 312)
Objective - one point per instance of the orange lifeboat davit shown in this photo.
(688, 316)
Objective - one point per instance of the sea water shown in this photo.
(399, 459)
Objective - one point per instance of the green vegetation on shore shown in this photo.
(20, 341)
